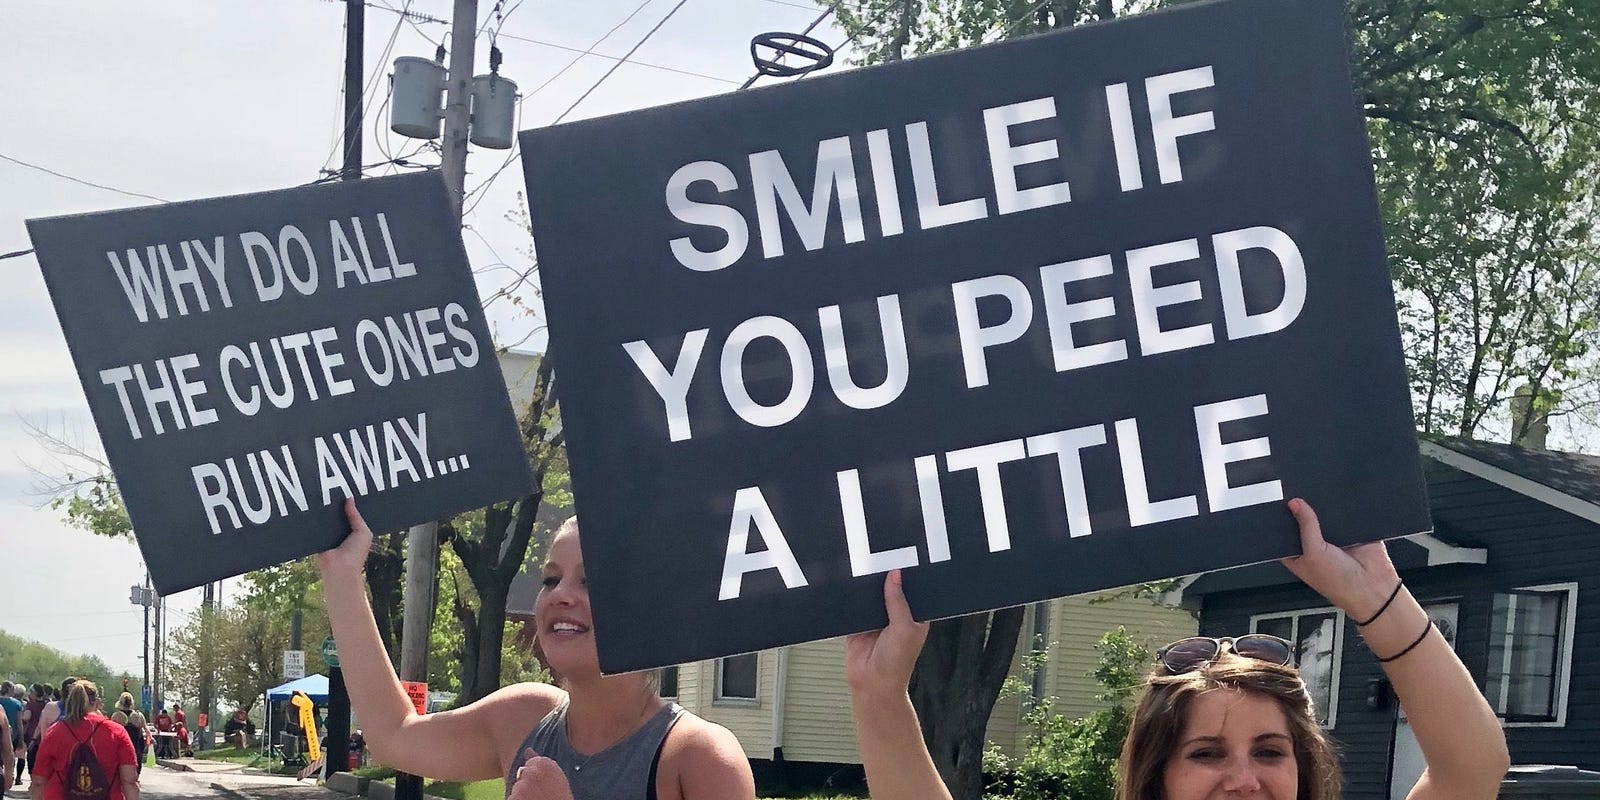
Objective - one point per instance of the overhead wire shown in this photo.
(511, 156)
(614, 58)
(65, 176)
(372, 81)
(827, 12)
(614, 67)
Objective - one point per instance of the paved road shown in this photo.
(158, 783)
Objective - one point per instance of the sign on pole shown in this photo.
(330, 652)
(1027, 320)
(252, 361)
(294, 664)
(418, 692)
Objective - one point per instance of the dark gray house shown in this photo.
(1511, 574)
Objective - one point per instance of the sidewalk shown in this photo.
(241, 783)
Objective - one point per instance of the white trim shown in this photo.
(1174, 597)
(778, 687)
(1513, 481)
(1338, 649)
(1441, 552)
(1563, 676)
(720, 699)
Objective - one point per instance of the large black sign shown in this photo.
(251, 361)
(1028, 320)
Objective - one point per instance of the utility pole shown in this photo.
(338, 744)
(422, 541)
(147, 691)
(207, 632)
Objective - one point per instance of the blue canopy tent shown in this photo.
(314, 687)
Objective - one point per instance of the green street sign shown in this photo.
(330, 652)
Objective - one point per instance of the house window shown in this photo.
(1038, 650)
(737, 677)
(668, 682)
(1316, 637)
(1530, 654)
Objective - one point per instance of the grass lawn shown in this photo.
(248, 756)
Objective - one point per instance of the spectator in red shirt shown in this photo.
(83, 723)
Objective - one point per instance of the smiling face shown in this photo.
(562, 608)
(1234, 744)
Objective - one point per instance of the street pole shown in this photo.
(147, 690)
(422, 541)
(338, 744)
(458, 99)
(207, 626)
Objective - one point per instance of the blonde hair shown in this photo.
(1163, 710)
(81, 699)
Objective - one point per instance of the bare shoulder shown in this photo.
(701, 760)
(511, 712)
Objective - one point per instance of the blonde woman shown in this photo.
(112, 749)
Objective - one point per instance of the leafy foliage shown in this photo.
(1077, 758)
(28, 662)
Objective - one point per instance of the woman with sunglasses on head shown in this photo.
(593, 737)
(1231, 718)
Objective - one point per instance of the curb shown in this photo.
(232, 793)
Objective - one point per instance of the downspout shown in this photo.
(780, 687)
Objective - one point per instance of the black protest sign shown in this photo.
(251, 361)
(1049, 316)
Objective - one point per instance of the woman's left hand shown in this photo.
(879, 663)
(1357, 579)
(539, 778)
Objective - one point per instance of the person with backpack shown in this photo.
(86, 757)
(133, 722)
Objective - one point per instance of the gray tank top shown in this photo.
(623, 771)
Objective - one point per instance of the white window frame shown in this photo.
(720, 699)
(1563, 676)
(1039, 642)
(1338, 649)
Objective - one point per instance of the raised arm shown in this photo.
(463, 744)
(1460, 737)
(878, 667)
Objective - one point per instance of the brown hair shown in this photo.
(1163, 711)
(81, 699)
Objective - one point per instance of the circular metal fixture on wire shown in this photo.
(812, 54)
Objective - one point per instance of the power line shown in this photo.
(372, 82)
(614, 58)
(63, 175)
(511, 156)
(792, 5)
(827, 12)
(15, 254)
(625, 57)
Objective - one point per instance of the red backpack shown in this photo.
(85, 779)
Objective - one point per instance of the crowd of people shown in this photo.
(55, 736)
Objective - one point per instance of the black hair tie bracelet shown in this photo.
(1410, 647)
(1385, 607)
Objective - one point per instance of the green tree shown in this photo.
(493, 544)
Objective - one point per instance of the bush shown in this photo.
(1077, 758)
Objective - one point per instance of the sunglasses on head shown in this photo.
(1187, 655)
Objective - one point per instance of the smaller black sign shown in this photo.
(251, 361)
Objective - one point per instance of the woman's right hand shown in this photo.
(879, 663)
(350, 557)
(1357, 579)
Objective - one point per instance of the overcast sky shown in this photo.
(189, 99)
